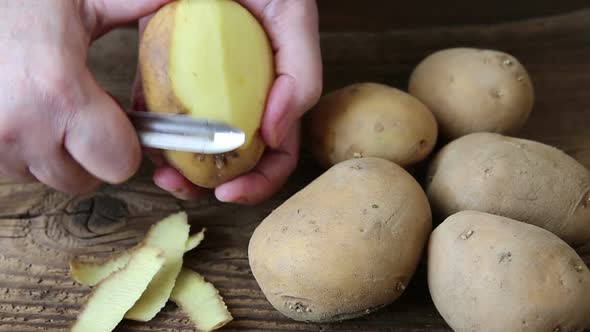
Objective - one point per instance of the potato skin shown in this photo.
(473, 90)
(371, 120)
(515, 178)
(154, 55)
(345, 245)
(495, 274)
(208, 171)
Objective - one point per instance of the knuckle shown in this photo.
(14, 140)
(9, 136)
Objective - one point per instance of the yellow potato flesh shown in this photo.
(221, 65)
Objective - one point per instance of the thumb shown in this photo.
(101, 138)
(109, 14)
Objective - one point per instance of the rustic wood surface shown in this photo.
(374, 15)
(40, 230)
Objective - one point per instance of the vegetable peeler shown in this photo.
(184, 133)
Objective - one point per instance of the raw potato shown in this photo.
(108, 303)
(494, 274)
(371, 120)
(91, 273)
(201, 301)
(473, 90)
(209, 59)
(515, 178)
(344, 246)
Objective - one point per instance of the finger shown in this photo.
(143, 22)
(59, 171)
(293, 28)
(100, 137)
(16, 173)
(14, 168)
(257, 7)
(112, 13)
(281, 112)
(267, 178)
(170, 180)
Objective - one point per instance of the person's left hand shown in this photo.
(292, 27)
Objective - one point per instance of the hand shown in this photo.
(57, 125)
(292, 27)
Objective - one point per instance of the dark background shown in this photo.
(394, 14)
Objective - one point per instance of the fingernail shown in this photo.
(179, 191)
(184, 194)
(181, 196)
(227, 197)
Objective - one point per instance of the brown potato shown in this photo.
(371, 120)
(188, 66)
(495, 274)
(344, 246)
(474, 90)
(515, 178)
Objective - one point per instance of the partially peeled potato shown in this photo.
(209, 59)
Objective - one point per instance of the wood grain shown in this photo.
(40, 230)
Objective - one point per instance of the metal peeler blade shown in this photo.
(184, 133)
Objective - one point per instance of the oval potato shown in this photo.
(474, 90)
(189, 66)
(371, 120)
(515, 178)
(495, 274)
(345, 245)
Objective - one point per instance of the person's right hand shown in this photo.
(57, 125)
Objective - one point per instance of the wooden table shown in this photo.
(40, 230)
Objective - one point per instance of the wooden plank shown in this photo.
(40, 230)
(379, 15)
(339, 15)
